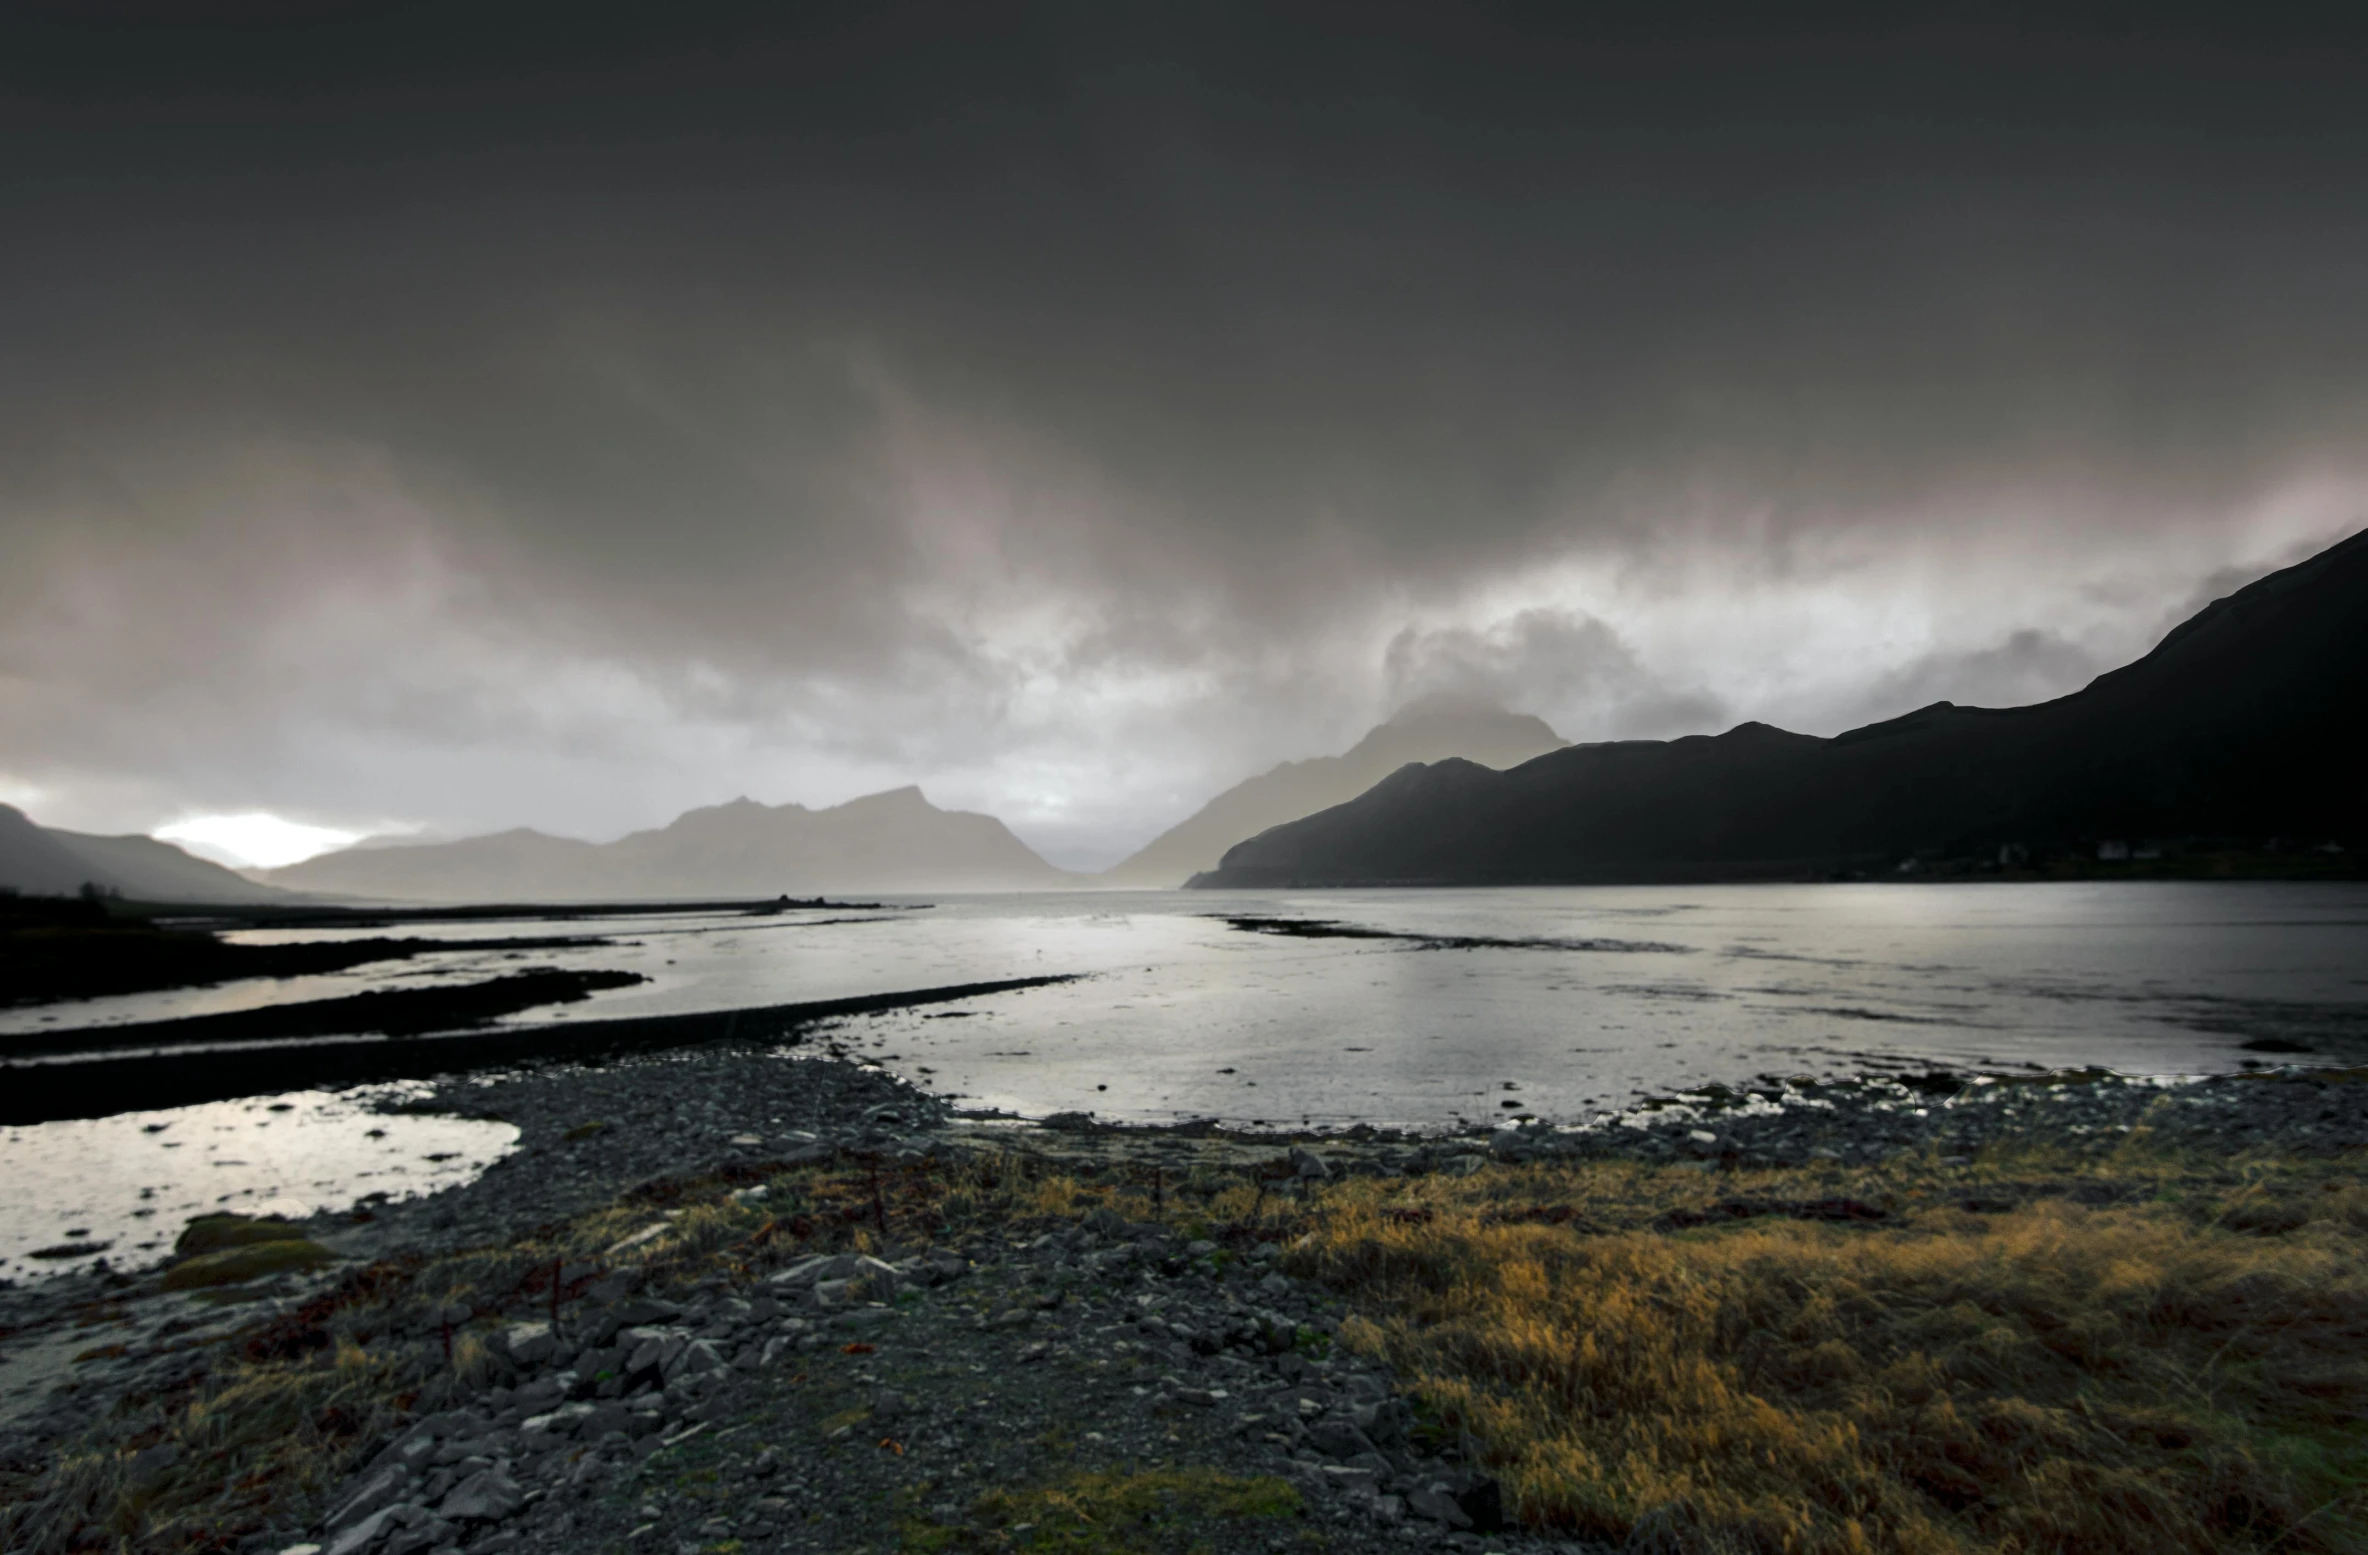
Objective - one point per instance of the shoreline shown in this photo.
(596, 1136)
(44, 1092)
(62, 950)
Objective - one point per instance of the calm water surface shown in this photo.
(1564, 1002)
(121, 1188)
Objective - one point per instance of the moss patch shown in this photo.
(212, 1233)
(237, 1265)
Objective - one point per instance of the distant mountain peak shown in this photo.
(908, 797)
(1442, 726)
(1449, 704)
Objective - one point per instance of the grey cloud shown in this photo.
(432, 414)
(2029, 666)
(2221, 582)
(1571, 669)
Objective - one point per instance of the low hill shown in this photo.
(37, 860)
(895, 841)
(2248, 722)
(1427, 731)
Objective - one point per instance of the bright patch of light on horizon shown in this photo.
(23, 795)
(254, 840)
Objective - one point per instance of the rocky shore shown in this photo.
(837, 1401)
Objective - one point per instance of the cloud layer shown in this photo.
(464, 418)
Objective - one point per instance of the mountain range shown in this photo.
(1424, 731)
(2248, 722)
(894, 841)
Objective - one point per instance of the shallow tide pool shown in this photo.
(120, 1188)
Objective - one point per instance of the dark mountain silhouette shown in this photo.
(34, 861)
(1429, 730)
(2248, 722)
(896, 841)
(39, 861)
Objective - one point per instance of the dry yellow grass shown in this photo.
(2183, 1370)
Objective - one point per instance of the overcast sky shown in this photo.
(479, 417)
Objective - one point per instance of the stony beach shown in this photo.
(745, 1363)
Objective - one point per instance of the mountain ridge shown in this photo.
(895, 840)
(39, 860)
(2244, 721)
(1423, 731)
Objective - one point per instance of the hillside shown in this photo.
(2246, 723)
(39, 861)
(1424, 732)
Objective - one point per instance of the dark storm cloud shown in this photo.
(967, 389)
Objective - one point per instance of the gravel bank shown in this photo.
(847, 1403)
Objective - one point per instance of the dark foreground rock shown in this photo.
(852, 1403)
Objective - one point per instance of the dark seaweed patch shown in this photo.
(1328, 928)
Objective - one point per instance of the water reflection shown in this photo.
(120, 1188)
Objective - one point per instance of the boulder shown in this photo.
(376, 1491)
(486, 1496)
(1338, 1438)
(694, 1359)
(1437, 1502)
(630, 1314)
(528, 1344)
(359, 1536)
(1482, 1500)
(566, 1420)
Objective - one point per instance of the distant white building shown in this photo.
(2113, 852)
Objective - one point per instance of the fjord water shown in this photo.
(1572, 1000)
(1618, 993)
(1442, 1007)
